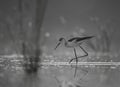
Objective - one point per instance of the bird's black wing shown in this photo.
(83, 38)
(77, 39)
(73, 39)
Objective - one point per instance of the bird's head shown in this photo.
(60, 41)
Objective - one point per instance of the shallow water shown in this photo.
(54, 76)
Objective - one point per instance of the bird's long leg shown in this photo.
(86, 54)
(76, 62)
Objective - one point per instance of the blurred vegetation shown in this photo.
(21, 35)
(102, 46)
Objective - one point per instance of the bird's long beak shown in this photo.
(57, 45)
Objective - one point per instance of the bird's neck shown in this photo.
(64, 40)
(66, 43)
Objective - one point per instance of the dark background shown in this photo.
(65, 17)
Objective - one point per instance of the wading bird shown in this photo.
(73, 43)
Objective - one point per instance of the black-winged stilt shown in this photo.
(72, 43)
